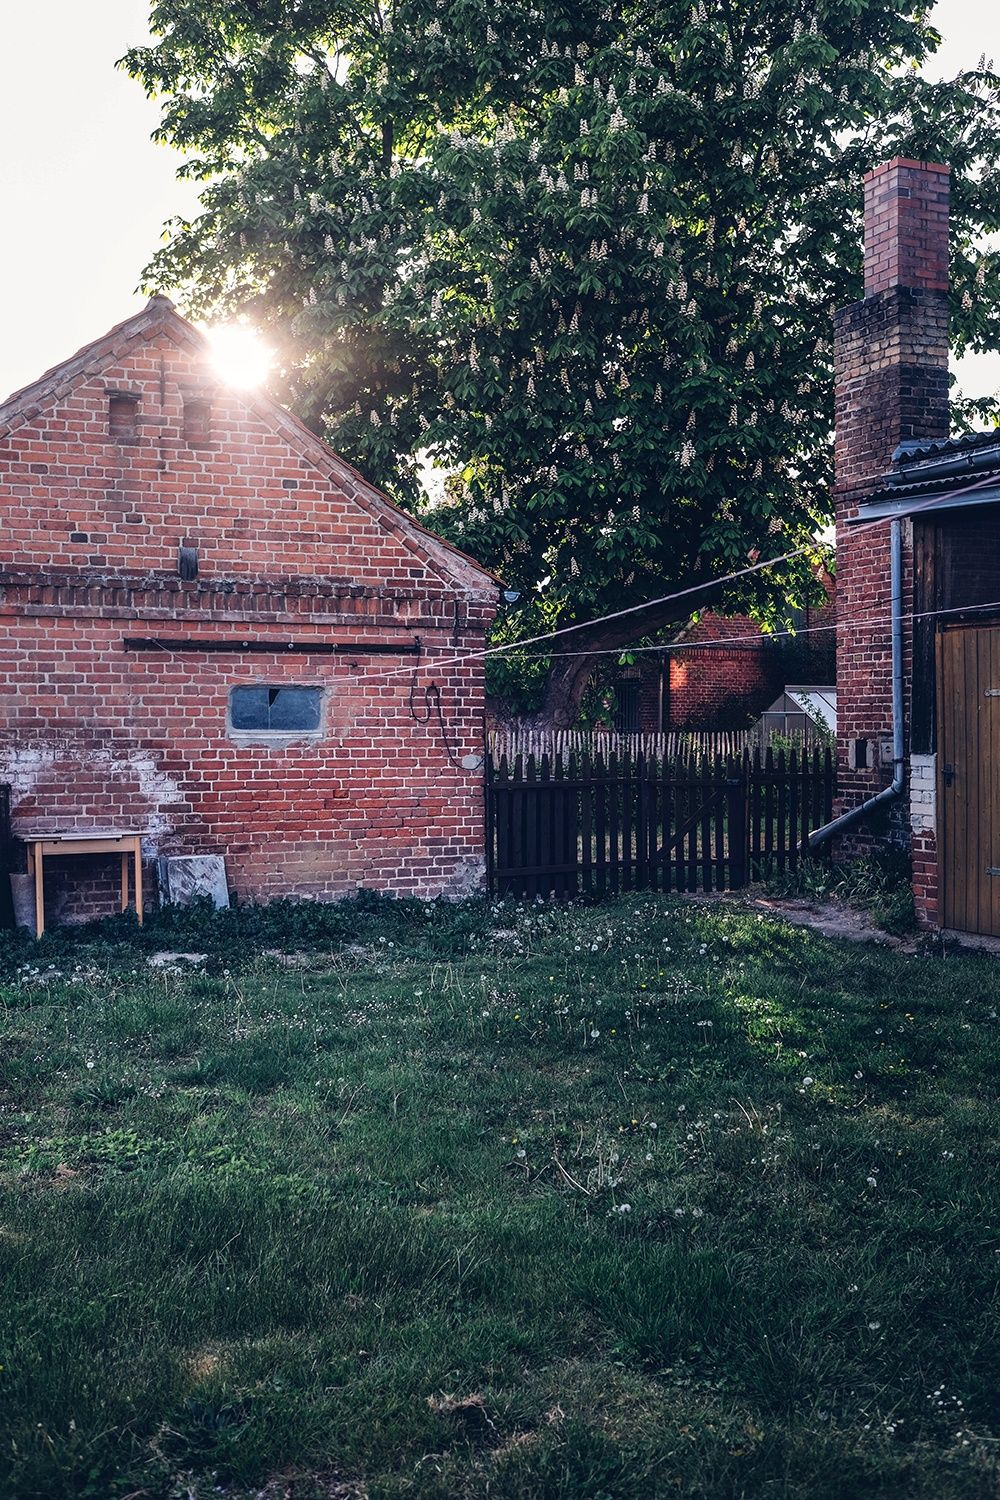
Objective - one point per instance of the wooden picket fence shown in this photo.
(674, 744)
(592, 825)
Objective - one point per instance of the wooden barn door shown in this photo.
(969, 777)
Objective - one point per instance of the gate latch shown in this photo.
(948, 775)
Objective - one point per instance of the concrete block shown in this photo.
(22, 891)
(185, 878)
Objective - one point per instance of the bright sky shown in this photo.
(85, 192)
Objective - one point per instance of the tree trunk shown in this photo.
(569, 673)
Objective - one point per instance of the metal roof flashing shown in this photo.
(884, 505)
(948, 474)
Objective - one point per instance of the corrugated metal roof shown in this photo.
(962, 471)
(928, 448)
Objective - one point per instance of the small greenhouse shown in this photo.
(806, 714)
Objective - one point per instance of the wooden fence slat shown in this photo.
(768, 811)
(707, 810)
(753, 770)
(782, 798)
(678, 800)
(586, 795)
(626, 822)
(614, 824)
(736, 819)
(601, 825)
(692, 838)
(530, 815)
(518, 821)
(653, 815)
(543, 849)
(817, 798)
(551, 820)
(639, 825)
(571, 835)
(667, 802)
(719, 823)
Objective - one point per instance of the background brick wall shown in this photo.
(715, 686)
(93, 735)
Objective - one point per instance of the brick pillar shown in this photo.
(891, 369)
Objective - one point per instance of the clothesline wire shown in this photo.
(871, 617)
(426, 658)
(467, 656)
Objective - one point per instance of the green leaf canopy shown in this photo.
(580, 258)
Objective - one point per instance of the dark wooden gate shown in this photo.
(596, 825)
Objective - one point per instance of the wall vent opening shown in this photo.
(197, 422)
(123, 417)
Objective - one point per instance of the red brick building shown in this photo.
(918, 705)
(216, 632)
(725, 671)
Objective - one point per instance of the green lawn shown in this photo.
(632, 1201)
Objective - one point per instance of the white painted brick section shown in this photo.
(923, 793)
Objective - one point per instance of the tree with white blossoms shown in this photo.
(582, 258)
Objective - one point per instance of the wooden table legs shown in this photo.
(137, 852)
(129, 847)
(36, 867)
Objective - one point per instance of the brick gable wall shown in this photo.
(76, 497)
(94, 734)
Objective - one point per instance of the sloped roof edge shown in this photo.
(23, 405)
(158, 315)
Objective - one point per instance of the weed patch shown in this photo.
(879, 884)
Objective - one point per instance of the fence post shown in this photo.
(736, 811)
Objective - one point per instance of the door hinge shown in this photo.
(948, 775)
(993, 869)
(992, 693)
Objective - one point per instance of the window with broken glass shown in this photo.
(275, 710)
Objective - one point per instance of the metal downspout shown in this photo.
(895, 787)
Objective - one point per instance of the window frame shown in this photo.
(276, 737)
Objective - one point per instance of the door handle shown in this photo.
(948, 775)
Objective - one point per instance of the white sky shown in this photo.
(85, 192)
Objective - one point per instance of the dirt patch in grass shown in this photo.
(833, 919)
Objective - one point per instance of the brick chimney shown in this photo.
(891, 350)
(891, 369)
